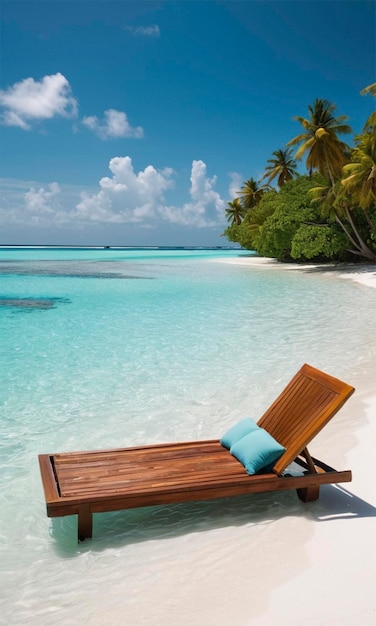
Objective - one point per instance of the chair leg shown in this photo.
(308, 494)
(85, 523)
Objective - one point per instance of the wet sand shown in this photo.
(317, 566)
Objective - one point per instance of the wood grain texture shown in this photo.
(84, 483)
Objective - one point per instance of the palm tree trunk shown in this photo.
(361, 247)
(348, 235)
(371, 226)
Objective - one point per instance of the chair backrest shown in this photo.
(303, 408)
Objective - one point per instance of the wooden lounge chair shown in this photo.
(84, 483)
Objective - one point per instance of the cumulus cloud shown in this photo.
(140, 197)
(115, 124)
(144, 31)
(43, 205)
(235, 184)
(28, 203)
(30, 100)
(125, 196)
(206, 207)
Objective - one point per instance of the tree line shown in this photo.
(327, 214)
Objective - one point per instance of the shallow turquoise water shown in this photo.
(104, 348)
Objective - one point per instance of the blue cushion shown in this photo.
(242, 428)
(257, 450)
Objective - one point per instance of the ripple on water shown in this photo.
(179, 357)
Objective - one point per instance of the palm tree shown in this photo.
(338, 206)
(326, 153)
(357, 189)
(235, 212)
(360, 175)
(251, 193)
(283, 166)
(371, 122)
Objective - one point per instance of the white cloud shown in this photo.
(131, 197)
(206, 207)
(115, 124)
(26, 203)
(43, 204)
(125, 196)
(41, 200)
(31, 100)
(144, 31)
(235, 184)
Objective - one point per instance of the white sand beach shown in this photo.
(317, 566)
(364, 274)
(291, 564)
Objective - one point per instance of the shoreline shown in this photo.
(338, 572)
(363, 274)
(261, 560)
(291, 564)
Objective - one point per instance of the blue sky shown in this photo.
(133, 123)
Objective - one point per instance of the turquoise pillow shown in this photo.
(257, 450)
(242, 428)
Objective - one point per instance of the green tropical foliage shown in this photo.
(325, 152)
(293, 210)
(234, 212)
(371, 89)
(282, 166)
(336, 204)
(247, 235)
(251, 193)
(319, 242)
(329, 214)
(360, 175)
(371, 122)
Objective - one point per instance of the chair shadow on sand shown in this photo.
(336, 503)
(131, 526)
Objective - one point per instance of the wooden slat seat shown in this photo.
(84, 483)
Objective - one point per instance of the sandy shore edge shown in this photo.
(339, 581)
(363, 274)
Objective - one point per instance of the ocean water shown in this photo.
(104, 348)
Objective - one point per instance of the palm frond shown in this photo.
(371, 89)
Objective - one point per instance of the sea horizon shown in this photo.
(116, 247)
